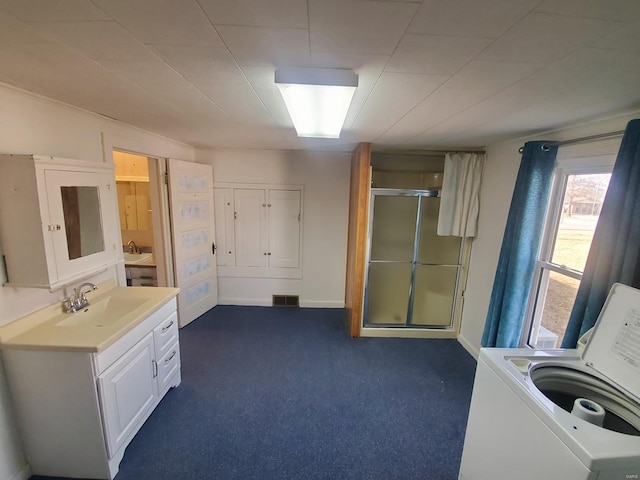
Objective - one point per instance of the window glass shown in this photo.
(574, 208)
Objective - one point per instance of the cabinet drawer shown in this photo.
(166, 334)
(168, 366)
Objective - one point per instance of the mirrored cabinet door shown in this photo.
(75, 205)
(58, 220)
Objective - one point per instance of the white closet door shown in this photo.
(284, 228)
(193, 232)
(223, 202)
(251, 248)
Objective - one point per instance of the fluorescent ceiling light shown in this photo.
(317, 98)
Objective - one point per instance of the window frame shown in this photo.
(585, 165)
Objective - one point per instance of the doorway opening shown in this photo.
(143, 213)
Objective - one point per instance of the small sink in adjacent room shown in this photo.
(138, 258)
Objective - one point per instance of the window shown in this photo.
(578, 190)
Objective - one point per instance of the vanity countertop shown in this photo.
(112, 312)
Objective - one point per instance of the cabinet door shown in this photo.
(78, 203)
(250, 206)
(284, 228)
(128, 393)
(223, 203)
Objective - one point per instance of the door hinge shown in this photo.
(166, 178)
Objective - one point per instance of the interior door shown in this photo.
(193, 234)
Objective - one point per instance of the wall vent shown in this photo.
(286, 301)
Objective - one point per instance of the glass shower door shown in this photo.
(412, 273)
(436, 271)
(393, 233)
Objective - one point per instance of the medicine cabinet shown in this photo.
(57, 218)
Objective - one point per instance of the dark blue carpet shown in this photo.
(277, 393)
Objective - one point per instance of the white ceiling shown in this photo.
(432, 73)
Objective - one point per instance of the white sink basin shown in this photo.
(138, 257)
(102, 313)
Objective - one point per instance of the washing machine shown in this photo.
(561, 414)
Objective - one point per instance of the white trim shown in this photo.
(250, 302)
(262, 302)
(469, 347)
(321, 304)
(406, 333)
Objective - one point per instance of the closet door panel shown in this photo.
(250, 205)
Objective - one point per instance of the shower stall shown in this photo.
(412, 273)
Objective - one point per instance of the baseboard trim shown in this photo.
(321, 304)
(245, 302)
(468, 347)
(406, 333)
(267, 302)
(23, 474)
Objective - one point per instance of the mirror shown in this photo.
(82, 221)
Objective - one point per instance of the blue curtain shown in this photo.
(615, 249)
(520, 246)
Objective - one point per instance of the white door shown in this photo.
(250, 206)
(284, 228)
(193, 236)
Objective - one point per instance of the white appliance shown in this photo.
(521, 424)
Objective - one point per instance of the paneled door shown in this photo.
(193, 235)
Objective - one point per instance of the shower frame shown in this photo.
(383, 329)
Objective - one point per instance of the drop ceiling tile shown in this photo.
(516, 97)
(229, 89)
(190, 54)
(170, 22)
(97, 40)
(488, 18)
(267, 46)
(489, 76)
(626, 38)
(262, 81)
(13, 30)
(53, 11)
(544, 38)
(393, 97)
(160, 80)
(438, 54)
(623, 10)
(54, 71)
(216, 73)
(439, 106)
(333, 25)
(258, 13)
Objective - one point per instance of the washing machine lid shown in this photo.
(614, 346)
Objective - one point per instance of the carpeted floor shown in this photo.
(277, 393)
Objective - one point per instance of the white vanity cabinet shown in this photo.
(78, 410)
(58, 219)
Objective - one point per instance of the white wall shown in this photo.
(325, 177)
(32, 124)
(501, 169)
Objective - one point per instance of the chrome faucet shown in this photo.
(78, 300)
(133, 248)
